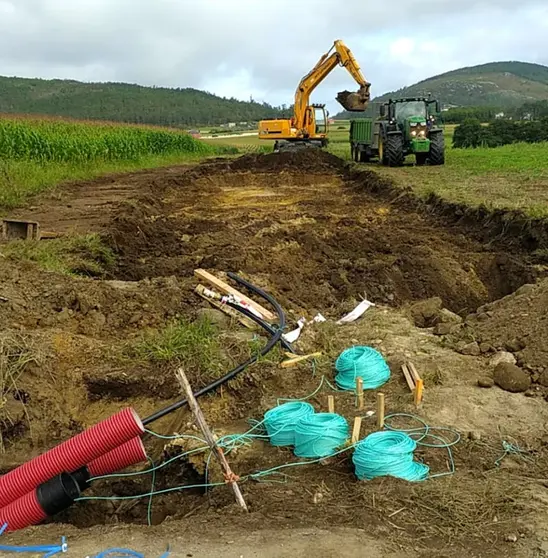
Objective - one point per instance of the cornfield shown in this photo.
(60, 141)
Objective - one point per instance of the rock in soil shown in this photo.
(446, 316)
(502, 356)
(543, 379)
(511, 378)
(471, 349)
(515, 345)
(486, 382)
(444, 328)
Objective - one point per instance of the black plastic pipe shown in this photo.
(57, 494)
(234, 372)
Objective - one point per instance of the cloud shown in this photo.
(253, 47)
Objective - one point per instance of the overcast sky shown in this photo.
(263, 47)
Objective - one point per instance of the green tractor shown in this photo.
(406, 126)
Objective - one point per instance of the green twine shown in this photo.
(281, 421)
(387, 453)
(361, 362)
(320, 435)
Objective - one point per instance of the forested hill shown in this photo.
(126, 103)
(498, 84)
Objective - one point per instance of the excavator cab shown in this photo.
(320, 120)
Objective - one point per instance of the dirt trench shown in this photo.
(301, 226)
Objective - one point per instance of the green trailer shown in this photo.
(405, 127)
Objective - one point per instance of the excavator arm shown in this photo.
(350, 101)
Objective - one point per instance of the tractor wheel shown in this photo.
(437, 149)
(393, 150)
(420, 159)
(364, 157)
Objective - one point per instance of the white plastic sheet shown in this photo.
(356, 313)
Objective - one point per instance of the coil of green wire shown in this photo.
(320, 435)
(364, 362)
(280, 422)
(388, 453)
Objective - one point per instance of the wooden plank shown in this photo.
(359, 393)
(356, 430)
(289, 363)
(380, 410)
(199, 290)
(408, 377)
(413, 371)
(230, 477)
(227, 289)
(419, 392)
(330, 404)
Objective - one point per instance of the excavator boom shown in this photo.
(305, 126)
(342, 56)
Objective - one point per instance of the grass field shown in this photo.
(36, 154)
(511, 177)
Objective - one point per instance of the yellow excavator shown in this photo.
(309, 124)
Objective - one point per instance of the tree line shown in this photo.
(534, 110)
(179, 108)
(472, 133)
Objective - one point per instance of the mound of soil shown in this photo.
(32, 298)
(305, 160)
(517, 323)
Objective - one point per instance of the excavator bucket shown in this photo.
(354, 102)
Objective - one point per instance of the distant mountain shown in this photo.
(126, 103)
(498, 84)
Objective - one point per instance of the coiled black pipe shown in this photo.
(235, 371)
(265, 325)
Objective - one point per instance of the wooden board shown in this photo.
(408, 377)
(298, 359)
(226, 309)
(227, 289)
(413, 371)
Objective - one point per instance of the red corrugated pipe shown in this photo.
(71, 455)
(47, 499)
(23, 512)
(40, 503)
(128, 454)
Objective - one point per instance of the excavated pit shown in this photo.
(302, 227)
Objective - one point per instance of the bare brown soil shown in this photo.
(318, 239)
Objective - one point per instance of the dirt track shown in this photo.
(318, 239)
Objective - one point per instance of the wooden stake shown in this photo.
(356, 430)
(359, 393)
(418, 392)
(230, 477)
(227, 289)
(380, 410)
(330, 404)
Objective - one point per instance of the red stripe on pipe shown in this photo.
(128, 454)
(23, 512)
(71, 455)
